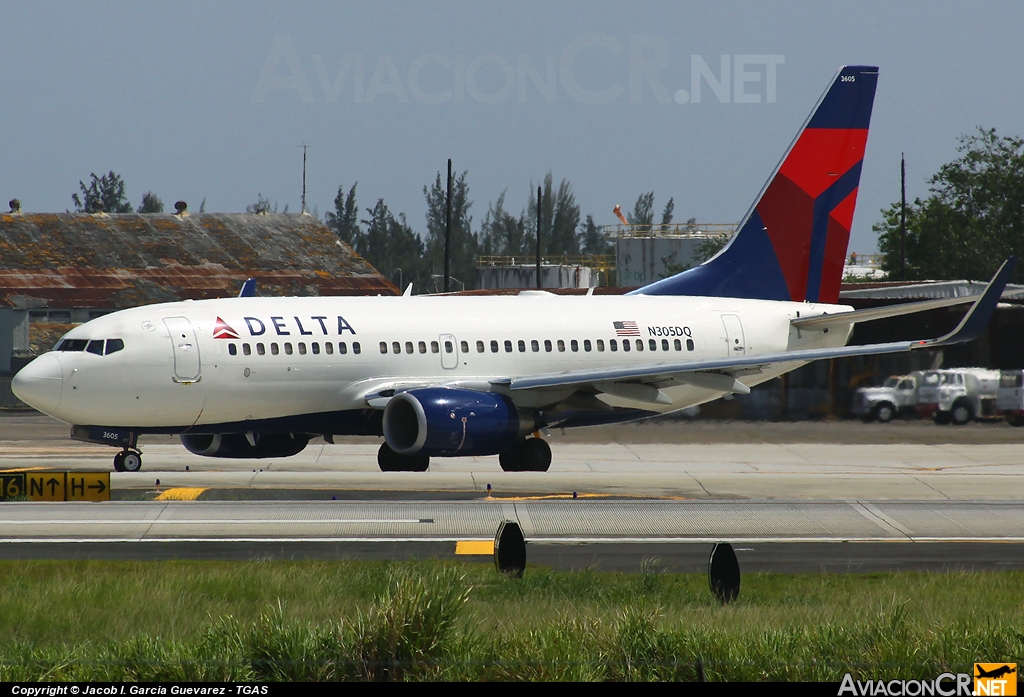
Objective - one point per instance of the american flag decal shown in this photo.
(223, 330)
(626, 329)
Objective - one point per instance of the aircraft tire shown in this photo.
(537, 454)
(119, 462)
(131, 461)
(390, 461)
(532, 455)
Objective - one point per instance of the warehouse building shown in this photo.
(62, 269)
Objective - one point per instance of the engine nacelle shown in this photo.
(237, 444)
(441, 421)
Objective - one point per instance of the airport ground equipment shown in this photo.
(958, 395)
(1010, 397)
(897, 396)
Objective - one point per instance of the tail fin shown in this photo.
(792, 243)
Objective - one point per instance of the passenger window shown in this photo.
(288, 348)
(329, 348)
(639, 344)
(600, 344)
(396, 347)
(464, 346)
(652, 344)
(315, 347)
(574, 345)
(342, 347)
(679, 345)
(434, 347)
(260, 349)
(422, 346)
(302, 349)
(355, 347)
(408, 347)
(586, 344)
(246, 349)
(494, 346)
(383, 347)
(664, 344)
(613, 345)
(534, 345)
(479, 347)
(232, 349)
(508, 346)
(275, 349)
(449, 347)
(625, 344)
(95, 346)
(561, 345)
(547, 345)
(522, 346)
(689, 344)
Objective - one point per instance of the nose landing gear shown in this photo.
(128, 460)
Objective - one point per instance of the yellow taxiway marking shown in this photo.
(475, 547)
(181, 493)
(29, 469)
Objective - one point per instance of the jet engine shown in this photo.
(239, 445)
(440, 421)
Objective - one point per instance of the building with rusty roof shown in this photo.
(58, 269)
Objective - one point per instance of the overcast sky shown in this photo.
(211, 99)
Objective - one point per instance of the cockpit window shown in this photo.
(95, 346)
(72, 345)
(114, 345)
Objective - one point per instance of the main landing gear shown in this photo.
(390, 461)
(530, 455)
(128, 460)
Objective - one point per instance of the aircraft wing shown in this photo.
(720, 374)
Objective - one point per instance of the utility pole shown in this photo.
(903, 218)
(538, 237)
(304, 148)
(448, 228)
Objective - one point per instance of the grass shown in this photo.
(444, 620)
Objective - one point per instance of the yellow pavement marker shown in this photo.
(181, 493)
(475, 547)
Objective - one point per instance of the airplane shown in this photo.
(448, 375)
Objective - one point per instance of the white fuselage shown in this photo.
(175, 373)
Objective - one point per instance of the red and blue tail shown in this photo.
(792, 243)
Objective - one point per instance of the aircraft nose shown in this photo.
(39, 383)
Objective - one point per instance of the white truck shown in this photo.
(897, 396)
(958, 395)
(1010, 400)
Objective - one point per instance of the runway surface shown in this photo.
(834, 497)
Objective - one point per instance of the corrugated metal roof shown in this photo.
(115, 261)
(925, 290)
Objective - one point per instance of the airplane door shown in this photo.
(186, 349)
(449, 352)
(735, 345)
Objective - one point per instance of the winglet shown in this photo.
(977, 318)
(248, 289)
(408, 290)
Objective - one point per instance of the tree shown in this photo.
(592, 240)
(559, 219)
(502, 233)
(151, 203)
(666, 215)
(972, 219)
(104, 193)
(345, 218)
(643, 211)
(261, 206)
(463, 243)
(390, 245)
